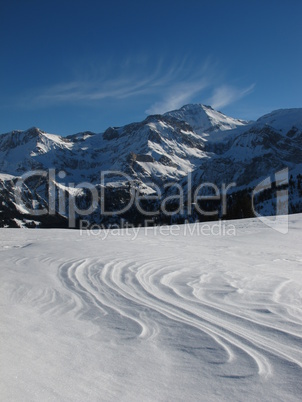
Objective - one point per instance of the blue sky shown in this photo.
(70, 66)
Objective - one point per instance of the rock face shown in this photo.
(110, 134)
(187, 147)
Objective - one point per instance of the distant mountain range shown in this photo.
(46, 178)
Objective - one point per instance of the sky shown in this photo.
(71, 66)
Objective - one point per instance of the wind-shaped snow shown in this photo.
(153, 314)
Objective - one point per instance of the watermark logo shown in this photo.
(42, 192)
(218, 228)
(279, 222)
(84, 199)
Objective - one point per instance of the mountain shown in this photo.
(283, 120)
(158, 147)
(155, 159)
(207, 122)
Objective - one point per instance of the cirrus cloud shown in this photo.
(226, 94)
(165, 86)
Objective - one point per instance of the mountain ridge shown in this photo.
(160, 150)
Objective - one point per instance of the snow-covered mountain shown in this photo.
(257, 151)
(159, 147)
(283, 120)
(207, 122)
(162, 149)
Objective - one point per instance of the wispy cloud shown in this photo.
(226, 94)
(165, 86)
(189, 81)
(168, 85)
(77, 91)
(178, 95)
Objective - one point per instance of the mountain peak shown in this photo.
(205, 120)
(196, 106)
(34, 130)
(191, 108)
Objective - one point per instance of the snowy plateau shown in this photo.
(152, 314)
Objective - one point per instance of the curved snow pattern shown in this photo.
(206, 302)
(199, 317)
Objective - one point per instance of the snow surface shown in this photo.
(158, 314)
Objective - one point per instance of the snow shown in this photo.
(168, 313)
(21, 151)
(210, 124)
(6, 177)
(21, 208)
(283, 119)
(19, 223)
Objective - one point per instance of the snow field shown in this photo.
(151, 317)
